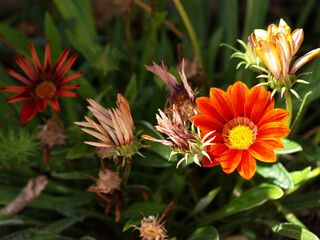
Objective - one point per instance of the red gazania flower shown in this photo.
(246, 127)
(42, 83)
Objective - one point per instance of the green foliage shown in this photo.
(17, 147)
(114, 43)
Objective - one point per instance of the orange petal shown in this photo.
(275, 115)
(238, 93)
(231, 160)
(272, 130)
(270, 56)
(205, 106)
(206, 123)
(304, 59)
(275, 143)
(297, 38)
(259, 101)
(247, 166)
(222, 102)
(206, 162)
(218, 149)
(260, 150)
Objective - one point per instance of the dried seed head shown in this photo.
(107, 182)
(151, 229)
(51, 134)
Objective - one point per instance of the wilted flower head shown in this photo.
(151, 229)
(276, 47)
(107, 182)
(52, 133)
(179, 137)
(182, 96)
(108, 188)
(43, 84)
(115, 127)
(245, 125)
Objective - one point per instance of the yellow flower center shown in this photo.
(46, 89)
(240, 137)
(239, 133)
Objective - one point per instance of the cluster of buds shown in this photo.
(114, 130)
(174, 123)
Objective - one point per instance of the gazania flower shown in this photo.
(246, 128)
(43, 84)
(182, 96)
(276, 48)
(152, 229)
(179, 137)
(115, 127)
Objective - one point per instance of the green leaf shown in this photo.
(78, 151)
(87, 238)
(289, 147)
(205, 233)
(132, 221)
(294, 231)
(131, 90)
(143, 209)
(52, 36)
(205, 201)
(252, 198)
(298, 176)
(74, 175)
(213, 50)
(276, 173)
(61, 225)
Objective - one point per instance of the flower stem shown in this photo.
(127, 171)
(289, 216)
(190, 30)
(288, 99)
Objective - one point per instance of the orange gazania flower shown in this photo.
(246, 127)
(42, 83)
(277, 46)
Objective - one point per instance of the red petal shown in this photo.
(69, 87)
(206, 162)
(247, 166)
(231, 160)
(47, 57)
(205, 106)
(41, 104)
(25, 69)
(33, 74)
(19, 97)
(18, 76)
(64, 93)
(275, 143)
(13, 89)
(275, 115)
(61, 60)
(238, 93)
(218, 149)
(35, 58)
(222, 103)
(28, 111)
(272, 130)
(69, 78)
(55, 104)
(260, 150)
(68, 65)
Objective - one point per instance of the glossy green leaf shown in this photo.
(276, 173)
(289, 147)
(205, 233)
(294, 231)
(131, 90)
(52, 36)
(298, 176)
(205, 201)
(60, 225)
